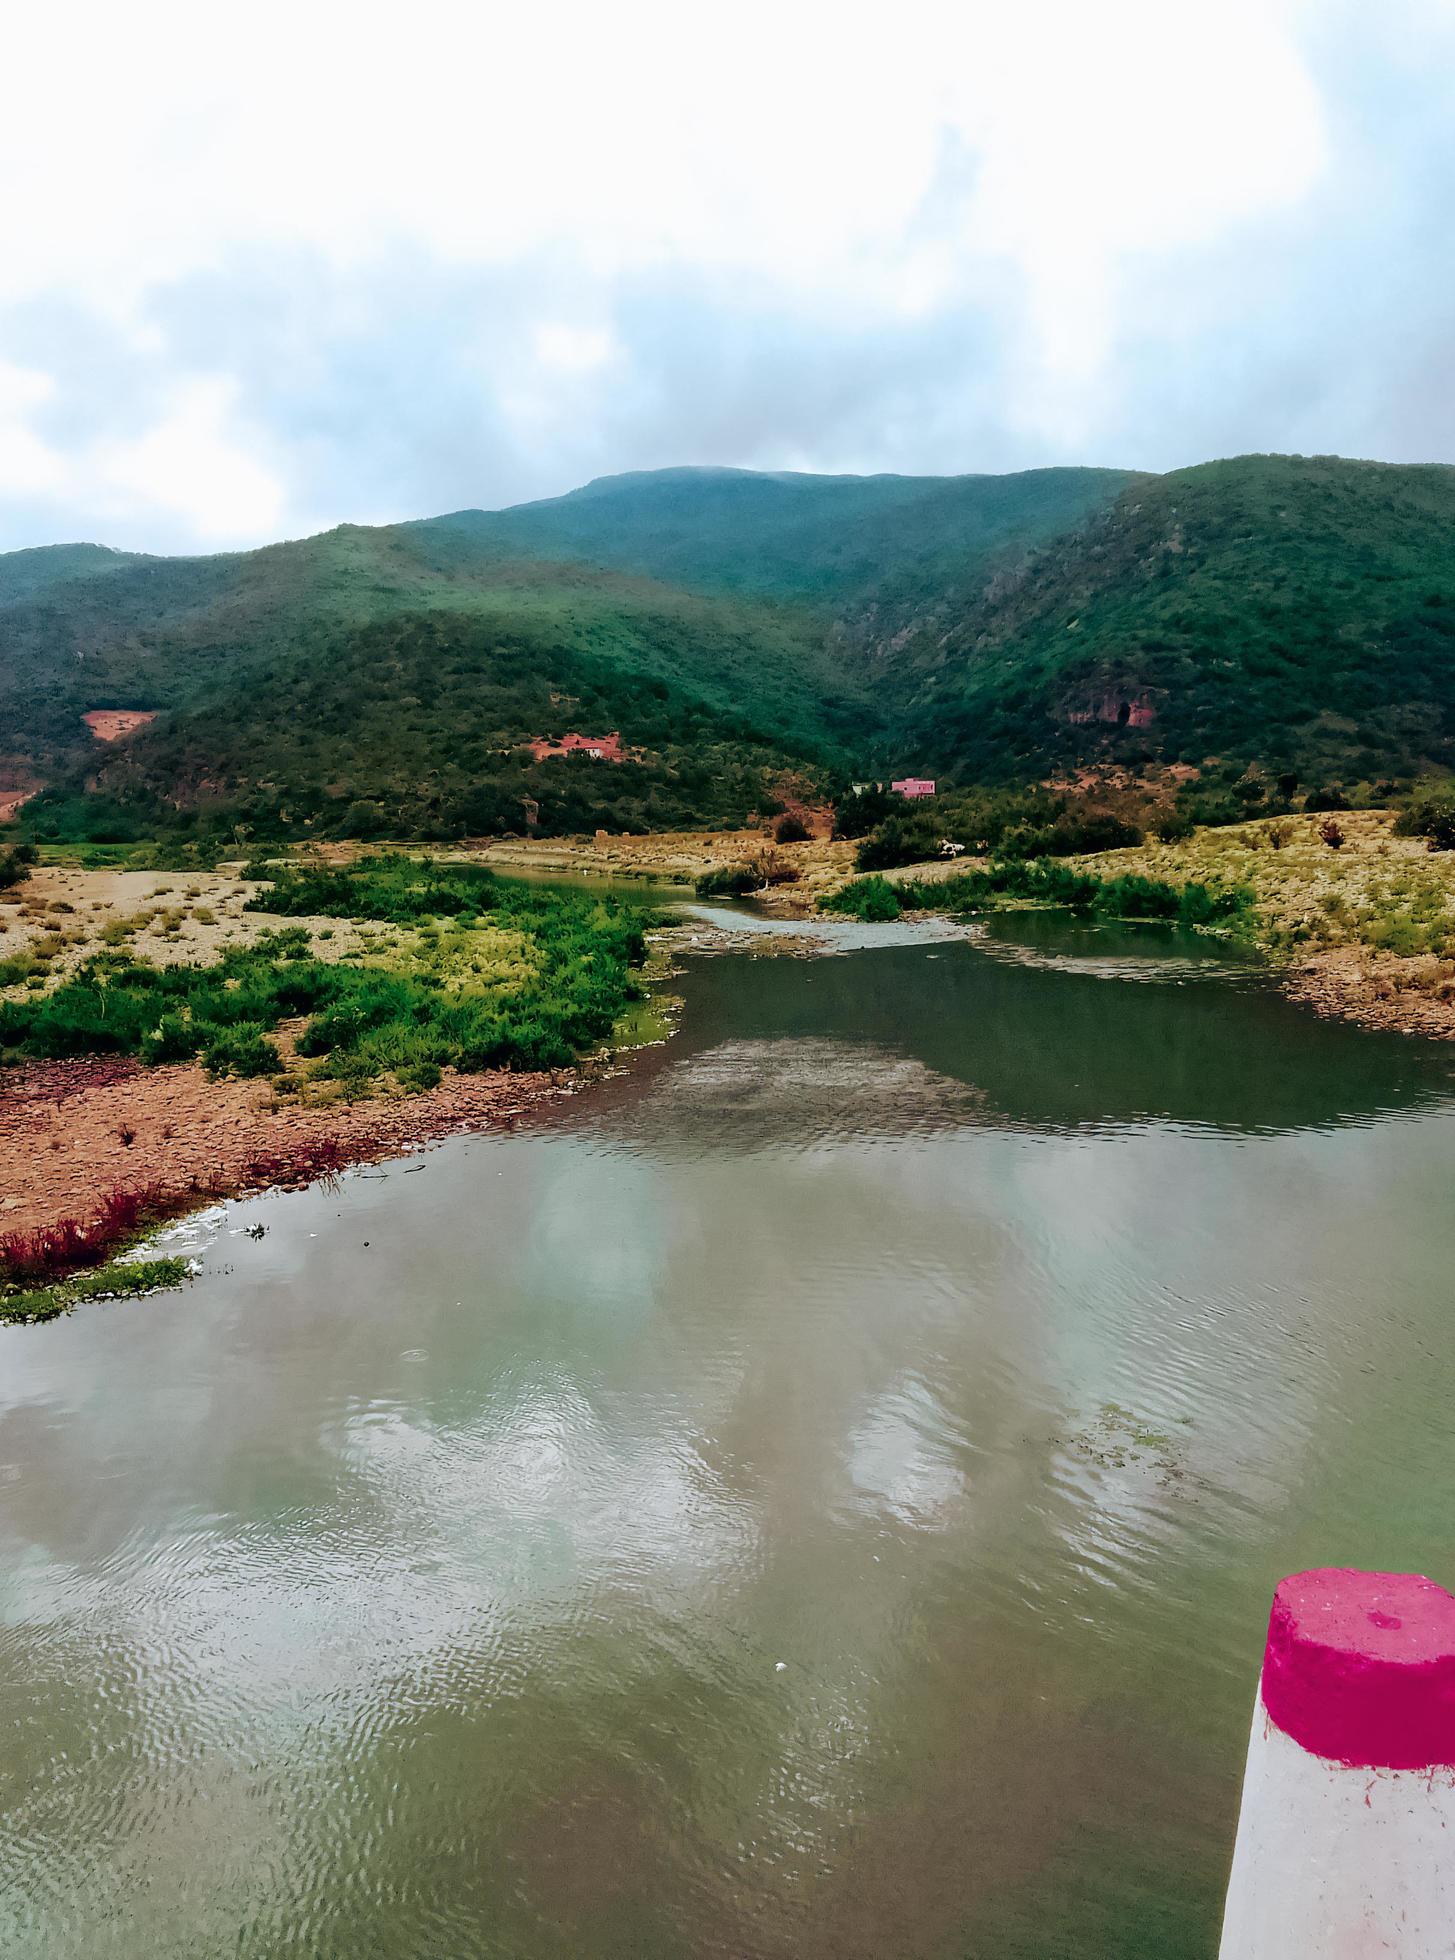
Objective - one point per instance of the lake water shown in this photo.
(816, 1498)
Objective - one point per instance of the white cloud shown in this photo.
(194, 465)
(809, 167)
(28, 466)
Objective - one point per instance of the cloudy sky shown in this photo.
(263, 269)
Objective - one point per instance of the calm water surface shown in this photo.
(815, 1499)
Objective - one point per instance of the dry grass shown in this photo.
(63, 915)
(1366, 931)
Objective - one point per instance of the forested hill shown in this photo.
(836, 542)
(746, 634)
(1292, 613)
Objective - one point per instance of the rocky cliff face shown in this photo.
(1118, 708)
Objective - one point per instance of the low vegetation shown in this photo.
(1376, 888)
(46, 1272)
(15, 865)
(1048, 881)
(873, 899)
(123, 1279)
(1430, 813)
(466, 971)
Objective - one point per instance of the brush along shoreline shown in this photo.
(1361, 930)
(138, 1087)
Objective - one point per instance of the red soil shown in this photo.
(111, 724)
(63, 1127)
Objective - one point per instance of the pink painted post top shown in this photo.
(1360, 1668)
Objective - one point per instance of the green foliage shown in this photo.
(1430, 813)
(824, 541)
(563, 994)
(1269, 620)
(1016, 823)
(240, 1051)
(873, 900)
(791, 830)
(1297, 612)
(123, 1279)
(730, 881)
(856, 814)
(1048, 881)
(15, 865)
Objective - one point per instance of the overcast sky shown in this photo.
(264, 269)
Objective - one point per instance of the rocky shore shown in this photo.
(72, 1132)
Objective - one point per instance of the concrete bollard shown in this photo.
(1346, 1839)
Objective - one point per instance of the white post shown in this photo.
(1346, 1839)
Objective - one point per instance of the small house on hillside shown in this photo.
(913, 786)
(596, 748)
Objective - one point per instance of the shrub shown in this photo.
(1049, 882)
(873, 900)
(1430, 813)
(240, 1051)
(15, 865)
(175, 1038)
(728, 881)
(1332, 832)
(860, 812)
(790, 829)
(898, 841)
(556, 996)
(1331, 798)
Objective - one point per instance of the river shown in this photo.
(816, 1497)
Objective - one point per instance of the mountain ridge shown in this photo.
(1254, 613)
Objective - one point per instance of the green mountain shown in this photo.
(365, 679)
(1296, 613)
(23, 573)
(839, 543)
(747, 634)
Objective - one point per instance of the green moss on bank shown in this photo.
(122, 1279)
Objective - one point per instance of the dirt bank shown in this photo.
(71, 1132)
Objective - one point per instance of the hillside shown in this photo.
(1295, 613)
(692, 609)
(343, 675)
(745, 633)
(839, 543)
(25, 573)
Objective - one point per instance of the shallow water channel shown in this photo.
(816, 1497)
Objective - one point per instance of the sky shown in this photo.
(268, 269)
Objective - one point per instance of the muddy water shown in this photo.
(817, 1498)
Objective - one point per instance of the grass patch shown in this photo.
(1047, 881)
(497, 974)
(122, 1279)
(874, 900)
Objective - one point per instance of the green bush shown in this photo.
(729, 881)
(1430, 813)
(575, 981)
(15, 865)
(1048, 881)
(872, 899)
(240, 1051)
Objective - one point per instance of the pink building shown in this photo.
(914, 786)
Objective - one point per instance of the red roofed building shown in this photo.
(914, 786)
(597, 748)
